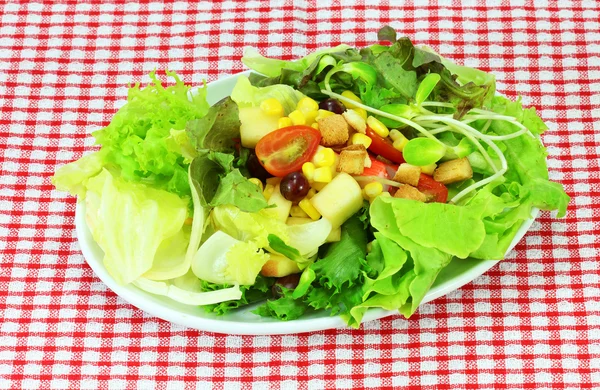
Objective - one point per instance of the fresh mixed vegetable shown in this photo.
(343, 181)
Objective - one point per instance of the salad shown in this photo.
(342, 181)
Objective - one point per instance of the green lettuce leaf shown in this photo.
(247, 95)
(284, 308)
(72, 177)
(259, 291)
(129, 221)
(217, 130)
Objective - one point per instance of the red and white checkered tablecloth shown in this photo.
(533, 321)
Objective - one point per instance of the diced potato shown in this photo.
(255, 124)
(298, 221)
(453, 171)
(279, 266)
(339, 200)
(408, 174)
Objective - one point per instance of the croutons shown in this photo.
(453, 171)
(352, 160)
(407, 191)
(279, 266)
(355, 121)
(334, 130)
(408, 174)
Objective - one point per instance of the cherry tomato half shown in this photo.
(384, 147)
(285, 150)
(433, 189)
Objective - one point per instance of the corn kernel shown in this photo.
(361, 111)
(296, 211)
(268, 191)
(323, 175)
(309, 209)
(323, 114)
(308, 169)
(325, 157)
(361, 139)
(373, 189)
(386, 194)
(272, 106)
(315, 126)
(297, 118)
(379, 128)
(188, 221)
(284, 122)
(312, 192)
(310, 116)
(428, 169)
(257, 182)
(400, 143)
(350, 95)
(318, 186)
(395, 134)
(307, 104)
(273, 181)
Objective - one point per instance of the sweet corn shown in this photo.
(373, 189)
(379, 128)
(428, 169)
(297, 117)
(284, 122)
(257, 182)
(323, 114)
(323, 175)
(386, 194)
(296, 211)
(309, 209)
(272, 106)
(315, 126)
(350, 95)
(361, 139)
(400, 142)
(268, 191)
(312, 192)
(324, 157)
(307, 104)
(361, 111)
(308, 169)
(310, 116)
(318, 186)
(395, 134)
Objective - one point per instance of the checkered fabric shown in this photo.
(531, 322)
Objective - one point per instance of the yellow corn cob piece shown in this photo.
(325, 157)
(297, 118)
(308, 169)
(272, 106)
(284, 122)
(350, 95)
(323, 175)
(296, 211)
(373, 189)
(379, 128)
(257, 182)
(309, 209)
(361, 139)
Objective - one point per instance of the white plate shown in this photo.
(455, 275)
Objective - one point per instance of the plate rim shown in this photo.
(137, 297)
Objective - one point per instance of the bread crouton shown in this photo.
(453, 171)
(408, 174)
(352, 160)
(407, 191)
(355, 121)
(279, 266)
(334, 130)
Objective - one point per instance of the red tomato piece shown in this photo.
(384, 147)
(285, 150)
(433, 189)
